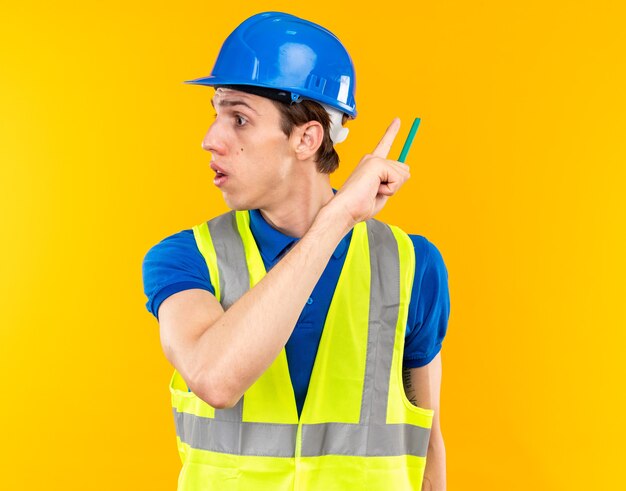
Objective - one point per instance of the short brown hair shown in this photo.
(292, 115)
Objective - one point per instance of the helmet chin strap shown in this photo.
(337, 132)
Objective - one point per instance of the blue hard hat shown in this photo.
(274, 51)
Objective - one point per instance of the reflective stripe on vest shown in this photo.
(264, 422)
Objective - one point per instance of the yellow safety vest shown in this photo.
(357, 430)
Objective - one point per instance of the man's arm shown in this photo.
(422, 386)
(220, 354)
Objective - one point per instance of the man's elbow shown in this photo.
(218, 400)
(223, 403)
(214, 392)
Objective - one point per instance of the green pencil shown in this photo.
(409, 140)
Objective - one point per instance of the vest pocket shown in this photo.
(400, 473)
(224, 472)
(198, 477)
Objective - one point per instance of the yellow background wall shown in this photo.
(518, 178)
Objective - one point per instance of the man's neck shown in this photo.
(294, 215)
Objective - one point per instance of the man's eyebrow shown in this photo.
(231, 103)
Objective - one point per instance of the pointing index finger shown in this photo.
(384, 145)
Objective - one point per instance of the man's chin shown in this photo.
(236, 205)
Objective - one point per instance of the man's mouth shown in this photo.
(220, 178)
(220, 175)
(218, 170)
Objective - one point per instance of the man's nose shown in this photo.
(212, 141)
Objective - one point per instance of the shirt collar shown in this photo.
(272, 242)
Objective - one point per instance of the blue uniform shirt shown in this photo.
(176, 264)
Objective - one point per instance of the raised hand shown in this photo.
(373, 181)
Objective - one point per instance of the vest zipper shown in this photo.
(296, 485)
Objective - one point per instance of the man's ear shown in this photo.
(308, 139)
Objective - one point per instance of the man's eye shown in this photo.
(239, 120)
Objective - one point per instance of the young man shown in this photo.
(305, 334)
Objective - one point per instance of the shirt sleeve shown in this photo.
(429, 309)
(173, 265)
